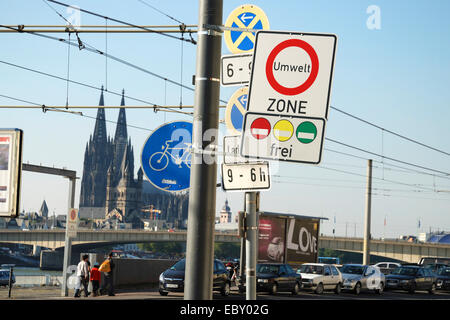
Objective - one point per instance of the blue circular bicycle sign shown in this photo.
(166, 156)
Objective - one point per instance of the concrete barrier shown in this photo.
(139, 271)
(38, 280)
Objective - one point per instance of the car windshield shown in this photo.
(405, 271)
(352, 269)
(267, 268)
(307, 268)
(179, 266)
(444, 272)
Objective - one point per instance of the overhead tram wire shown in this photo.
(97, 51)
(387, 164)
(160, 11)
(191, 40)
(391, 132)
(385, 157)
(45, 109)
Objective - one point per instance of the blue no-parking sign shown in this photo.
(234, 113)
(166, 156)
(245, 17)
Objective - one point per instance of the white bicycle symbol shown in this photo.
(160, 160)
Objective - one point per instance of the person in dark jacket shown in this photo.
(109, 279)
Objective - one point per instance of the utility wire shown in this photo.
(389, 158)
(387, 164)
(391, 132)
(125, 23)
(94, 50)
(163, 13)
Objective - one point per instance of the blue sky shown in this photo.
(397, 77)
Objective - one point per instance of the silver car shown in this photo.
(358, 277)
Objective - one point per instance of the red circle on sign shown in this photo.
(73, 215)
(314, 68)
(260, 128)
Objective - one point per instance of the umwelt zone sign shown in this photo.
(292, 73)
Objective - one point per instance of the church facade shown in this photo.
(108, 186)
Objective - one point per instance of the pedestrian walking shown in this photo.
(95, 279)
(107, 267)
(83, 275)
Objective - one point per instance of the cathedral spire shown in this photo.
(121, 129)
(100, 124)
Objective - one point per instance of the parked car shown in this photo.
(411, 278)
(320, 277)
(443, 279)
(274, 278)
(435, 267)
(387, 267)
(358, 277)
(4, 277)
(172, 280)
(328, 260)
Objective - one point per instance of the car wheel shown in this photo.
(412, 289)
(357, 289)
(338, 288)
(296, 289)
(432, 289)
(163, 293)
(225, 290)
(274, 289)
(319, 289)
(380, 289)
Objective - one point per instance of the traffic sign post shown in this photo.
(292, 139)
(72, 223)
(244, 17)
(166, 156)
(292, 73)
(245, 177)
(236, 69)
(235, 110)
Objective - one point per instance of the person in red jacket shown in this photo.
(95, 279)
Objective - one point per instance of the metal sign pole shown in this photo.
(68, 240)
(367, 217)
(202, 193)
(11, 269)
(251, 246)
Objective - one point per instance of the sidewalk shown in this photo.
(54, 293)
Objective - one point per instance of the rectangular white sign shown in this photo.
(245, 177)
(72, 223)
(236, 69)
(292, 73)
(232, 150)
(273, 137)
(10, 171)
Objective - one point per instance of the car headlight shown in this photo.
(161, 277)
(263, 280)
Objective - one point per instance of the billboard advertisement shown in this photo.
(10, 171)
(302, 239)
(271, 239)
